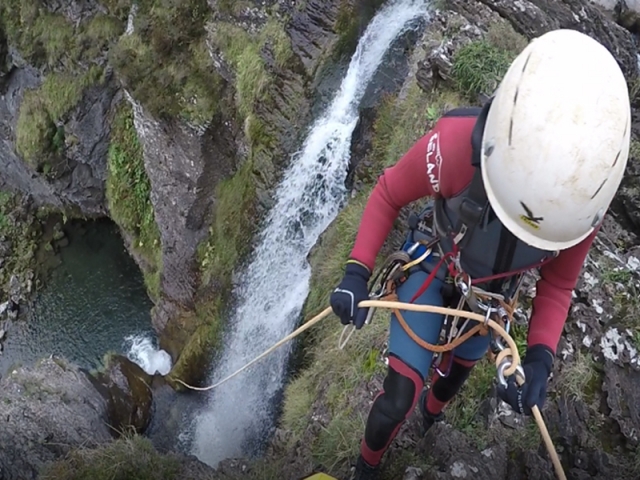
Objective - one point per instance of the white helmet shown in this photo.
(556, 140)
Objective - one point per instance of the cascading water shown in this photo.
(274, 286)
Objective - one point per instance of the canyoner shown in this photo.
(520, 184)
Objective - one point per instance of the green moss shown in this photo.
(128, 193)
(38, 137)
(165, 62)
(131, 457)
(23, 232)
(199, 332)
(232, 225)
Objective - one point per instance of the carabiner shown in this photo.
(506, 363)
(464, 287)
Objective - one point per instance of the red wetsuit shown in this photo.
(446, 172)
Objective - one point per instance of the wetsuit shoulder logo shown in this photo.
(434, 161)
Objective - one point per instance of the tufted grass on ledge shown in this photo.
(39, 135)
(130, 457)
(479, 65)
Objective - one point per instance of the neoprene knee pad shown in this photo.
(445, 388)
(390, 409)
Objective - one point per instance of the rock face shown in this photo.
(75, 180)
(183, 166)
(55, 135)
(127, 389)
(532, 18)
(46, 411)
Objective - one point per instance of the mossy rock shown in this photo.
(126, 387)
(128, 190)
(192, 338)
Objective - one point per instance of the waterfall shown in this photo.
(275, 284)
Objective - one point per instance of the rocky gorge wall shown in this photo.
(182, 236)
(175, 120)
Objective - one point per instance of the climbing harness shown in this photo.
(395, 271)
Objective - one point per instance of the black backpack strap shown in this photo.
(475, 205)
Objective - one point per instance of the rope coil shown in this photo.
(508, 360)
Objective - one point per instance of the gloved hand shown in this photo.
(352, 290)
(537, 364)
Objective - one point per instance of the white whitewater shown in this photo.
(275, 284)
(142, 351)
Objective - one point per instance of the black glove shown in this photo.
(352, 290)
(537, 365)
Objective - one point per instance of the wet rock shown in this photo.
(361, 141)
(46, 411)
(126, 387)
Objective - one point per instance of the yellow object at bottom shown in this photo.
(319, 476)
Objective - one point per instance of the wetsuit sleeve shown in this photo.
(398, 186)
(554, 289)
(438, 164)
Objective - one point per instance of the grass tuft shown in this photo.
(130, 457)
(478, 67)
